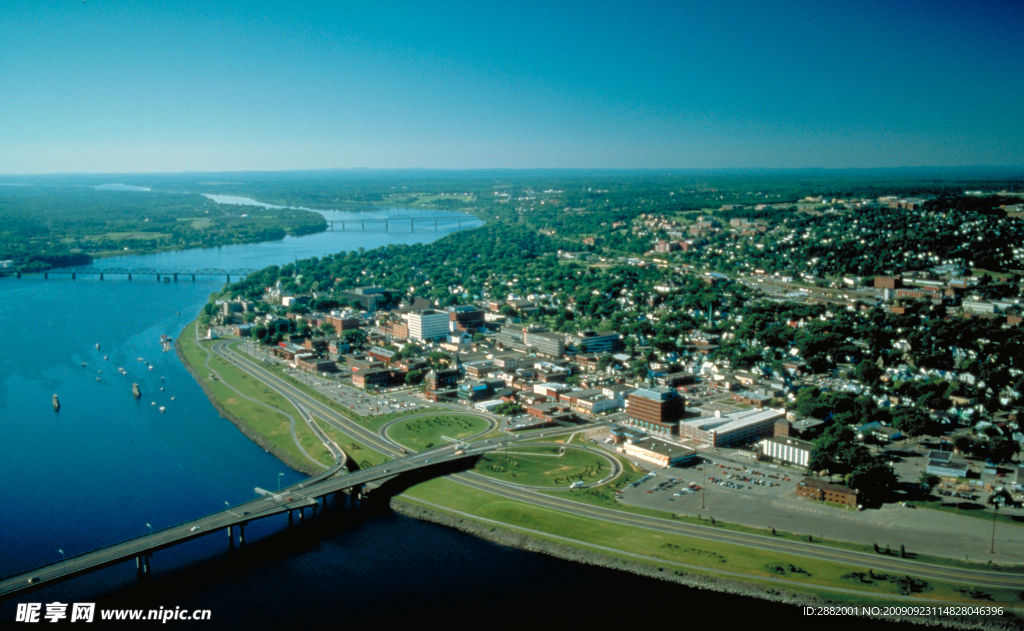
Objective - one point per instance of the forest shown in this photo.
(53, 226)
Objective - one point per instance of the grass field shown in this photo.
(670, 552)
(543, 466)
(267, 415)
(424, 433)
(356, 451)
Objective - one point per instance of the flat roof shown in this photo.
(791, 442)
(662, 448)
(657, 394)
(735, 420)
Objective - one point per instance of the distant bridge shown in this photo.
(162, 274)
(401, 221)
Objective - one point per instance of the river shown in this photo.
(108, 467)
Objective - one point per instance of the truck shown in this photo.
(576, 485)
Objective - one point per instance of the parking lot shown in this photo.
(760, 496)
(726, 486)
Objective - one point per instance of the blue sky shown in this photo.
(143, 86)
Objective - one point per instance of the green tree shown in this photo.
(913, 422)
(413, 377)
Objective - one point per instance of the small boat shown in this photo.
(83, 364)
(56, 404)
(172, 398)
(161, 389)
(97, 378)
(105, 358)
(162, 408)
(97, 346)
(136, 391)
(151, 366)
(152, 402)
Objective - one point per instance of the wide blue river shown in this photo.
(108, 467)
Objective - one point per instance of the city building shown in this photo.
(659, 451)
(468, 318)
(427, 325)
(826, 492)
(656, 409)
(792, 450)
(721, 430)
(941, 463)
(600, 343)
(342, 324)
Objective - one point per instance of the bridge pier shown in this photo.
(101, 275)
(241, 535)
(158, 278)
(193, 278)
(18, 274)
(302, 514)
(291, 520)
(74, 276)
(228, 277)
(175, 277)
(142, 566)
(231, 537)
(129, 275)
(46, 275)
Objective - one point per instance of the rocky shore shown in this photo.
(726, 586)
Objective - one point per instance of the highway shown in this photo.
(759, 542)
(894, 564)
(307, 493)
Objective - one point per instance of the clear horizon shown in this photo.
(99, 88)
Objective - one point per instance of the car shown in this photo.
(194, 528)
(34, 579)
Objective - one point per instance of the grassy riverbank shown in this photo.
(671, 553)
(263, 415)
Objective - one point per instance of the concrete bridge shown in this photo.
(310, 494)
(398, 221)
(160, 274)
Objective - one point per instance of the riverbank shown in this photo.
(521, 541)
(243, 426)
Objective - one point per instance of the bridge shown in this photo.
(294, 500)
(161, 274)
(401, 221)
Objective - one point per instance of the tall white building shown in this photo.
(427, 325)
(788, 449)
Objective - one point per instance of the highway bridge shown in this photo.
(161, 274)
(311, 493)
(401, 221)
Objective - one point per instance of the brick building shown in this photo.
(657, 409)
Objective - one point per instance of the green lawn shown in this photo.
(671, 552)
(267, 415)
(543, 466)
(423, 433)
(356, 451)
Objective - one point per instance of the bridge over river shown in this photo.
(311, 493)
(400, 221)
(161, 274)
